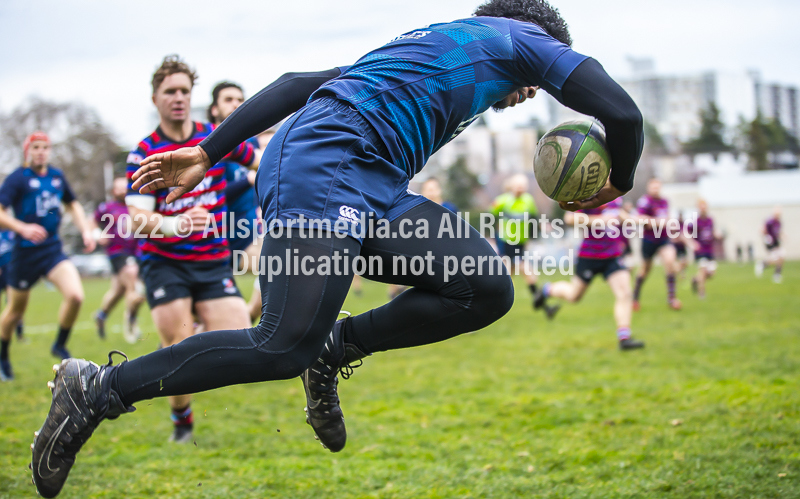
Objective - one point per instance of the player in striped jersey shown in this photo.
(185, 267)
(654, 213)
(703, 248)
(601, 252)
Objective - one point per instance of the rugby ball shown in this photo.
(571, 161)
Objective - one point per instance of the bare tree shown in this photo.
(81, 143)
(82, 146)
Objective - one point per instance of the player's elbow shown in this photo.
(625, 115)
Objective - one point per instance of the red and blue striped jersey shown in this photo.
(209, 194)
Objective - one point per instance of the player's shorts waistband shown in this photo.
(355, 117)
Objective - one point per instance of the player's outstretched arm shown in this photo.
(186, 167)
(589, 90)
(79, 219)
(268, 107)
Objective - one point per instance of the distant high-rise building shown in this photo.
(780, 103)
(673, 103)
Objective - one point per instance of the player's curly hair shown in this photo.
(172, 64)
(538, 12)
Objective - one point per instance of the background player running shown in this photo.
(772, 240)
(185, 265)
(703, 248)
(36, 192)
(511, 209)
(240, 195)
(653, 212)
(351, 150)
(601, 252)
(113, 220)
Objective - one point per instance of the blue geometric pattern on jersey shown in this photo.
(449, 81)
(453, 59)
(413, 116)
(485, 92)
(423, 88)
(466, 31)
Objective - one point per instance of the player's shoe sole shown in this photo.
(675, 304)
(82, 398)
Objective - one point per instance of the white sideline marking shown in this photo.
(79, 326)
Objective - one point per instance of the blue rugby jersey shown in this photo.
(209, 194)
(243, 206)
(36, 199)
(426, 86)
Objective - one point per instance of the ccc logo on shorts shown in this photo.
(348, 213)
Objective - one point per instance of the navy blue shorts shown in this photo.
(3, 277)
(328, 164)
(703, 256)
(28, 265)
(511, 250)
(167, 280)
(120, 260)
(587, 268)
(650, 248)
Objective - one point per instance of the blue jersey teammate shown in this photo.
(240, 194)
(350, 150)
(36, 192)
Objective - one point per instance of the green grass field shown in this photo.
(524, 408)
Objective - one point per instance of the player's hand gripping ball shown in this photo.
(571, 161)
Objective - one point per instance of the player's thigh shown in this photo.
(67, 280)
(300, 307)
(229, 312)
(436, 261)
(667, 254)
(579, 287)
(18, 299)
(620, 283)
(253, 253)
(128, 276)
(173, 320)
(645, 267)
(116, 286)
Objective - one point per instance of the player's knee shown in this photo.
(494, 296)
(74, 297)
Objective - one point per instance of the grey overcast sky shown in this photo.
(103, 53)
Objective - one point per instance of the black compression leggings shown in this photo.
(299, 310)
